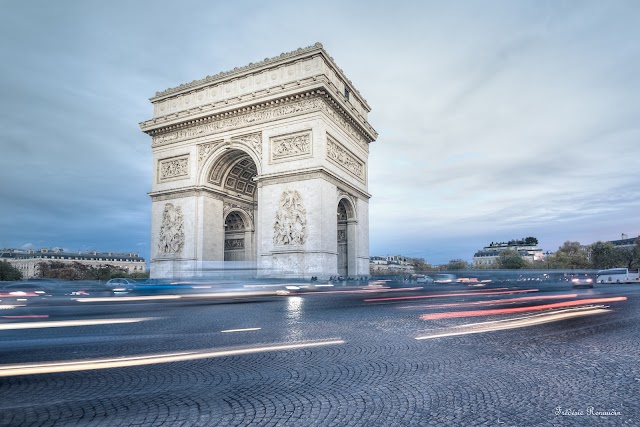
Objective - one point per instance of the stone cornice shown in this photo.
(253, 67)
(312, 173)
(287, 106)
(196, 190)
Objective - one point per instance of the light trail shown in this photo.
(501, 325)
(475, 313)
(120, 299)
(68, 323)
(468, 293)
(85, 365)
(242, 330)
(491, 302)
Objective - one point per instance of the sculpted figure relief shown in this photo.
(171, 231)
(290, 227)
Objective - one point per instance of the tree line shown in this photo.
(70, 271)
(573, 255)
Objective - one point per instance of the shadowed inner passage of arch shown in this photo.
(234, 171)
(239, 177)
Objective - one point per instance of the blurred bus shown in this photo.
(618, 275)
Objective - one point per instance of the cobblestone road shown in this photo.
(567, 372)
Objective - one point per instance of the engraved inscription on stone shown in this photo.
(174, 168)
(344, 158)
(171, 231)
(290, 226)
(293, 145)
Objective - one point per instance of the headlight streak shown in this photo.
(241, 330)
(85, 365)
(538, 319)
(449, 295)
(116, 299)
(68, 323)
(476, 313)
(490, 302)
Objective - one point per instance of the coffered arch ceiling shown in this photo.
(234, 172)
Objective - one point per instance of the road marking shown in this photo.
(85, 365)
(67, 323)
(241, 330)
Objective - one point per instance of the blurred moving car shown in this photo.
(424, 279)
(445, 278)
(582, 281)
(121, 286)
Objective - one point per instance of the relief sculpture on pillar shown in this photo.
(171, 231)
(290, 227)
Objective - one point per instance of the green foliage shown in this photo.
(457, 264)
(570, 255)
(8, 272)
(605, 255)
(79, 271)
(511, 259)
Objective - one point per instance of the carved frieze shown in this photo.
(290, 227)
(344, 158)
(231, 244)
(284, 147)
(171, 231)
(240, 120)
(173, 168)
(204, 150)
(253, 140)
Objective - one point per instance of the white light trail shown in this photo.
(85, 365)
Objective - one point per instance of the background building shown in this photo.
(391, 264)
(488, 256)
(27, 260)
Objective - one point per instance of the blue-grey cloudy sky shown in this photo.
(497, 119)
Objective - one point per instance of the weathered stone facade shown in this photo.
(256, 161)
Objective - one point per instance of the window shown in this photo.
(347, 92)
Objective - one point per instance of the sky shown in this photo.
(497, 120)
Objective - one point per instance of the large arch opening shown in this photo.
(231, 179)
(346, 246)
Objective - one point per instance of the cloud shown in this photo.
(497, 120)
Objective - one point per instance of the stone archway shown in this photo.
(346, 238)
(263, 149)
(231, 179)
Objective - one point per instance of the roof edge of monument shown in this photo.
(254, 66)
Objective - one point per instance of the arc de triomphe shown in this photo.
(262, 166)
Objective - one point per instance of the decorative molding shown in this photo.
(295, 145)
(312, 173)
(205, 150)
(233, 244)
(173, 168)
(239, 70)
(338, 118)
(223, 122)
(171, 231)
(253, 140)
(342, 235)
(290, 227)
(344, 158)
(247, 209)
